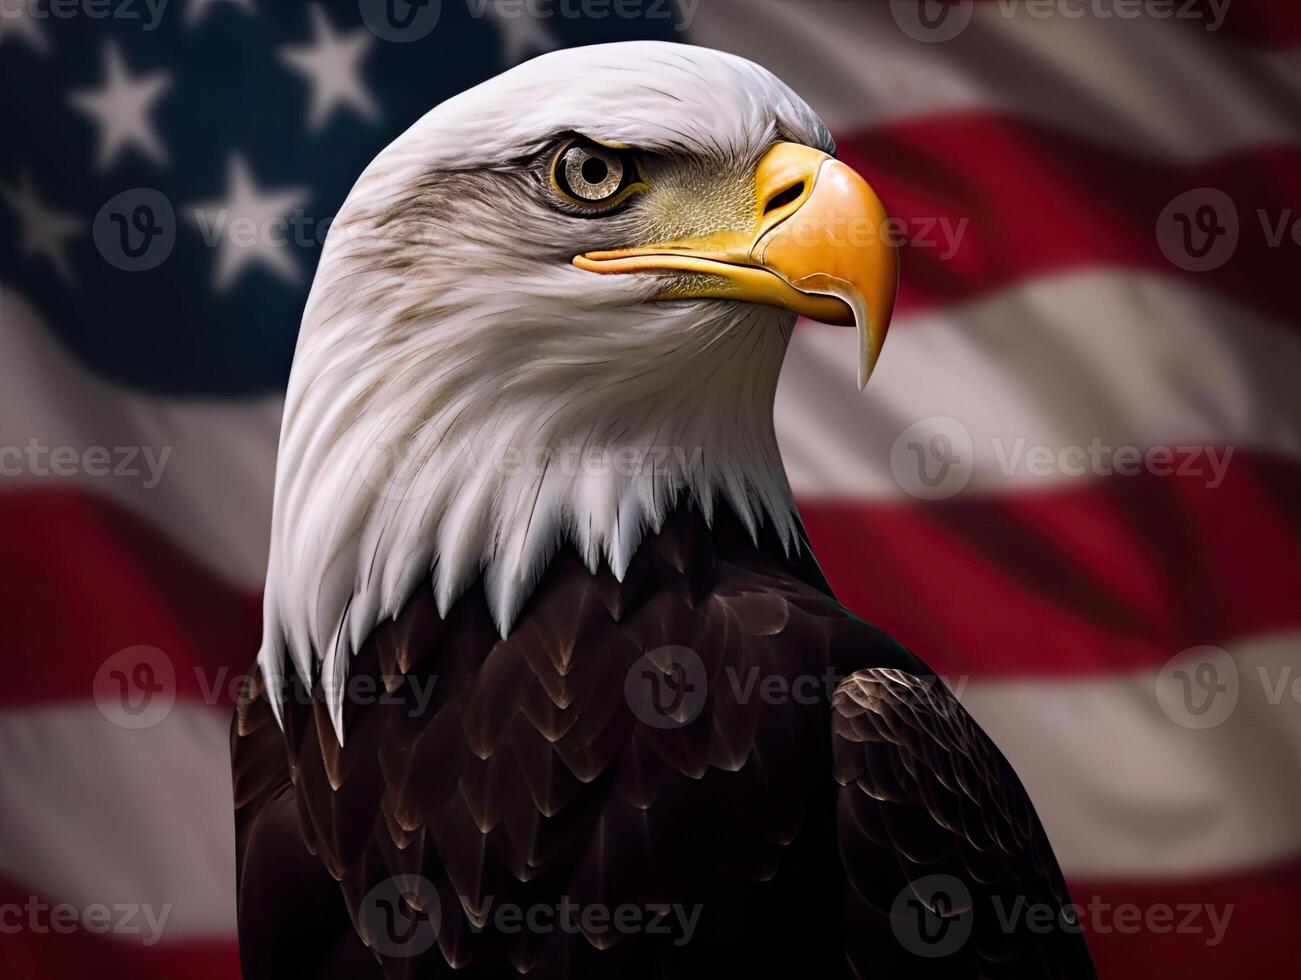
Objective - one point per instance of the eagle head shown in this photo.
(550, 310)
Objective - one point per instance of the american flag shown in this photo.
(1073, 485)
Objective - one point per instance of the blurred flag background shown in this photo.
(1072, 486)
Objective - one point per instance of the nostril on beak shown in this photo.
(783, 198)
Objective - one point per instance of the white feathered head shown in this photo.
(553, 307)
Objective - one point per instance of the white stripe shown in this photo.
(1119, 357)
(213, 497)
(1158, 87)
(96, 814)
(1126, 792)
(1124, 358)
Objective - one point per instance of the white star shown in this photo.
(248, 226)
(522, 34)
(197, 8)
(332, 66)
(45, 231)
(120, 107)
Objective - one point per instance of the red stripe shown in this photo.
(1145, 940)
(1271, 22)
(30, 947)
(1105, 576)
(52, 957)
(85, 578)
(1274, 23)
(1039, 200)
(1118, 573)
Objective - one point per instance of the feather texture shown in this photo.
(523, 773)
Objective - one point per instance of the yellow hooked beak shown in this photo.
(818, 248)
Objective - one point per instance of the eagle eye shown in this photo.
(596, 178)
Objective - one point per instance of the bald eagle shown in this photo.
(550, 683)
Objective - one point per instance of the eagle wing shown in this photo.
(948, 869)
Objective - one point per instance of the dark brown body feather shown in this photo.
(766, 835)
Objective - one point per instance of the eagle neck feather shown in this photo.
(474, 443)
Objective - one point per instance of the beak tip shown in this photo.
(865, 370)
